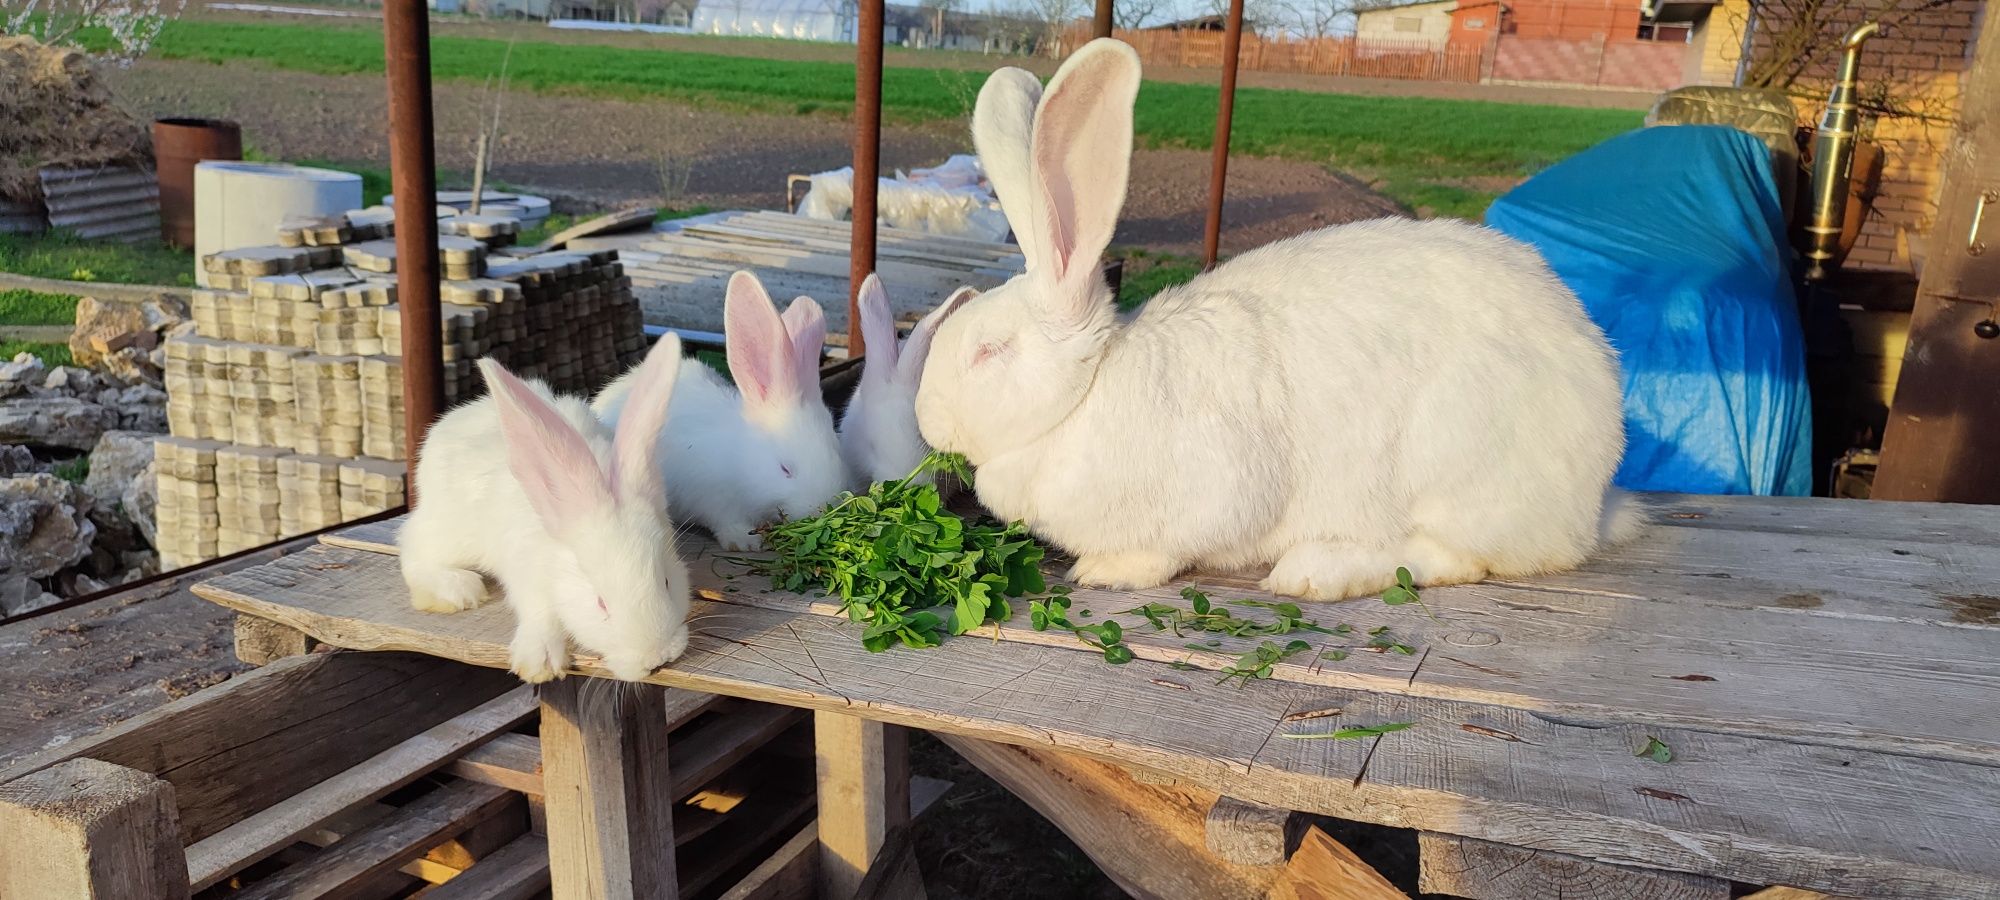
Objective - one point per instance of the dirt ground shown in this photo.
(604, 153)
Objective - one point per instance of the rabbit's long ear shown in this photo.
(760, 349)
(805, 324)
(1003, 123)
(878, 328)
(910, 369)
(550, 460)
(635, 472)
(1082, 157)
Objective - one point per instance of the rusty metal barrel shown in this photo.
(178, 144)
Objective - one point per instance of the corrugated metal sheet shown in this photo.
(20, 218)
(120, 204)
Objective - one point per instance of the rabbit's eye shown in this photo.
(602, 608)
(987, 351)
(785, 469)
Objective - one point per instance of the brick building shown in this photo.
(1913, 69)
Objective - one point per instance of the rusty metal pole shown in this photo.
(867, 150)
(1232, 47)
(406, 41)
(1101, 26)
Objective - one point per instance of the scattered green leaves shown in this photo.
(1404, 592)
(1206, 616)
(1348, 734)
(1258, 662)
(1334, 655)
(1384, 640)
(1655, 750)
(902, 565)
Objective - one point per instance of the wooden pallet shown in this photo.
(386, 775)
(679, 275)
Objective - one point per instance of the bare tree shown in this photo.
(1315, 18)
(939, 9)
(1130, 14)
(1054, 16)
(1795, 46)
(133, 24)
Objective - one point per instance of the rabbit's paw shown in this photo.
(1124, 571)
(1321, 571)
(737, 540)
(538, 656)
(449, 591)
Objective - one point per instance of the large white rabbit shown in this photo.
(737, 457)
(1382, 394)
(562, 510)
(878, 431)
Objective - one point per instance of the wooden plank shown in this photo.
(751, 832)
(704, 753)
(518, 871)
(90, 830)
(1899, 523)
(514, 761)
(399, 838)
(1150, 839)
(234, 750)
(1827, 646)
(605, 777)
(255, 837)
(261, 641)
(1249, 834)
(1788, 893)
(863, 771)
(1324, 869)
(788, 874)
(1749, 662)
(1753, 806)
(74, 671)
(511, 761)
(1483, 870)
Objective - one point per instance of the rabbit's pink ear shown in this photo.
(1081, 159)
(878, 328)
(1003, 123)
(635, 472)
(550, 460)
(760, 350)
(805, 324)
(910, 369)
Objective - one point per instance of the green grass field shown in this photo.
(52, 354)
(32, 308)
(57, 255)
(1424, 152)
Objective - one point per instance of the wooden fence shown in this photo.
(1417, 60)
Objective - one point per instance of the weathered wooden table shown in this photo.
(1826, 675)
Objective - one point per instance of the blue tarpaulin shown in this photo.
(1673, 238)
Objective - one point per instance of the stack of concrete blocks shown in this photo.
(286, 404)
(186, 513)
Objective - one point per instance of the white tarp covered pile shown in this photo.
(953, 199)
(800, 20)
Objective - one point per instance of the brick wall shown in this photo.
(1637, 65)
(1920, 62)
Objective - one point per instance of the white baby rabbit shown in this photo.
(562, 510)
(878, 432)
(1335, 405)
(737, 457)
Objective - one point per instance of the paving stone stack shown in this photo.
(286, 404)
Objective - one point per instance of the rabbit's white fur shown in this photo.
(1382, 394)
(735, 459)
(878, 431)
(563, 511)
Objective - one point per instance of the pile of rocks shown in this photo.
(61, 535)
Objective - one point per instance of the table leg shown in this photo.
(864, 792)
(608, 796)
